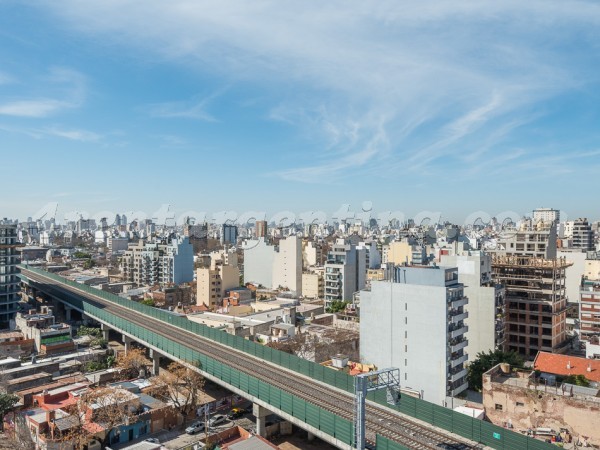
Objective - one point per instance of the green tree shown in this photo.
(148, 302)
(485, 361)
(337, 306)
(7, 403)
(577, 380)
(89, 331)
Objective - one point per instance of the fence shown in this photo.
(476, 430)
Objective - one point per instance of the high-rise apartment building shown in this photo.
(287, 265)
(229, 234)
(258, 262)
(582, 236)
(9, 282)
(261, 229)
(526, 263)
(152, 263)
(536, 302)
(546, 215)
(486, 307)
(416, 322)
(345, 271)
(589, 299)
(213, 281)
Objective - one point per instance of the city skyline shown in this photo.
(443, 107)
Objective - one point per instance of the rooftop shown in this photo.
(567, 365)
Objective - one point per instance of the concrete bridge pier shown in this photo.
(261, 414)
(155, 361)
(105, 331)
(68, 313)
(127, 341)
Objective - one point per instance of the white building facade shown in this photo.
(486, 300)
(417, 324)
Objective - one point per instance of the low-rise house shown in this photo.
(49, 337)
(541, 405)
(14, 344)
(111, 415)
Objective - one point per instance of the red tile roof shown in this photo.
(557, 364)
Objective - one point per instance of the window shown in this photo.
(520, 404)
(498, 407)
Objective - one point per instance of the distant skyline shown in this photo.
(454, 107)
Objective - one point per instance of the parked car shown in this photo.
(217, 419)
(152, 440)
(235, 413)
(196, 427)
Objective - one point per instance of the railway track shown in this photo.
(389, 424)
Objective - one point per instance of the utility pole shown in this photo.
(388, 379)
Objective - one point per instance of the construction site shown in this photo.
(536, 303)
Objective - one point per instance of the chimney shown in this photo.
(589, 367)
(50, 416)
(569, 365)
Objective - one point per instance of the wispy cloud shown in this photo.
(193, 109)
(71, 134)
(445, 76)
(32, 108)
(67, 86)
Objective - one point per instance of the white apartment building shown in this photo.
(345, 272)
(486, 300)
(537, 240)
(148, 264)
(417, 323)
(311, 254)
(258, 262)
(287, 265)
(546, 215)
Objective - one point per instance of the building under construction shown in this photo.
(536, 302)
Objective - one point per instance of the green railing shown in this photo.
(476, 430)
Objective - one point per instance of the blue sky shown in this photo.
(450, 106)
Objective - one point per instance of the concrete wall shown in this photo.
(258, 262)
(574, 273)
(287, 265)
(312, 285)
(404, 326)
(527, 408)
(399, 252)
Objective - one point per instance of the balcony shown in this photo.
(454, 319)
(452, 377)
(458, 361)
(457, 345)
(458, 332)
(457, 302)
(457, 390)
